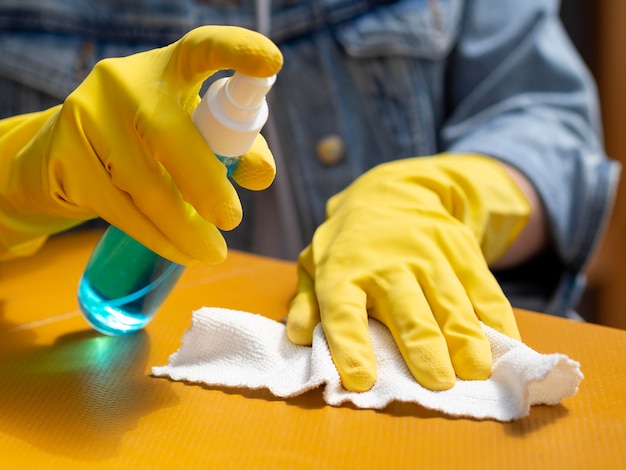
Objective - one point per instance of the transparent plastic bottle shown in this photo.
(124, 283)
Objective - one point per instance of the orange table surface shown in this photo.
(72, 398)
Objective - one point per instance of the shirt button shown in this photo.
(331, 149)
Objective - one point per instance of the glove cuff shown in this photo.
(493, 205)
(24, 225)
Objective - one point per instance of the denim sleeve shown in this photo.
(521, 94)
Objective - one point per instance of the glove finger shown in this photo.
(210, 48)
(345, 320)
(117, 207)
(403, 308)
(198, 174)
(304, 313)
(490, 304)
(256, 169)
(101, 197)
(157, 197)
(468, 346)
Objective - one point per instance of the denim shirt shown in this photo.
(377, 81)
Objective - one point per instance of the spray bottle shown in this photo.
(124, 283)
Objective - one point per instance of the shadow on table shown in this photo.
(80, 395)
(538, 417)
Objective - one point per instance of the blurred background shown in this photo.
(598, 30)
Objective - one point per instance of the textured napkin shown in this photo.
(231, 348)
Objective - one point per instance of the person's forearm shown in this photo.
(534, 237)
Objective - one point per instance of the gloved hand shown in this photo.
(408, 243)
(123, 147)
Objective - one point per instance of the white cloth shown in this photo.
(238, 349)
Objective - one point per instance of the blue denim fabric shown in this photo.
(393, 79)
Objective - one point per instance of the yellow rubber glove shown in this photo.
(408, 244)
(123, 147)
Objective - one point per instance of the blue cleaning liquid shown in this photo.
(124, 284)
(229, 162)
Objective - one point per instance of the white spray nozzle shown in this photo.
(232, 113)
(246, 91)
